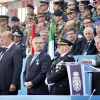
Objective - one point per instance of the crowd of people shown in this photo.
(75, 29)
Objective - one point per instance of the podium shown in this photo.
(80, 76)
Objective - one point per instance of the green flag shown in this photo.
(51, 41)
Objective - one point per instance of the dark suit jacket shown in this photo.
(58, 75)
(75, 50)
(37, 73)
(91, 49)
(96, 77)
(45, 49)
(23, 47)
(10, 67)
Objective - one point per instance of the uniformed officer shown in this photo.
(97, 21)
(15, 21)
(59, 5)
(30, 10)
(44, 5)
(42, 17)
(81, 4)
(86, 13)
(29, 19)
(17, 39)
(96, 3)
(4, 22)
(57, 78)
(71, 15)
(59, 27)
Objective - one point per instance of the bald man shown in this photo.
(10, 65)
(36, 68)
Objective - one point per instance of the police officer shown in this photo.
(59, 27)
(57, 77)
(17, 39)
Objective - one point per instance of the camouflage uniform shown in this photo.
(94, 15)
(59, 30)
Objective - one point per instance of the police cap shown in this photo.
(18, 33)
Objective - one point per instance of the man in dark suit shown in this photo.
(57, 77)
(44, 36)
(88, 46)
(95, 63)
(10, 65)
(72, 37)
(36, 68)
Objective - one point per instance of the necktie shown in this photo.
(35, 55)
(98, 56)
(86, 47)
(2, 53)
(60, 58)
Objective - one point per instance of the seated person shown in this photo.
(88, 46)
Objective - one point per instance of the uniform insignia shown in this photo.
(69, 55)
(22, 44)
(76, 81)
(59, 40)
(60, 27)
(37, 61)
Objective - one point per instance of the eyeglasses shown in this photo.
(95, 2)
(71, 4)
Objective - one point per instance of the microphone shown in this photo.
(92, 94)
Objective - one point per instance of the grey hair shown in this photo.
(44, 31)
(89, 28)
(38, 38)
(97, 37)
